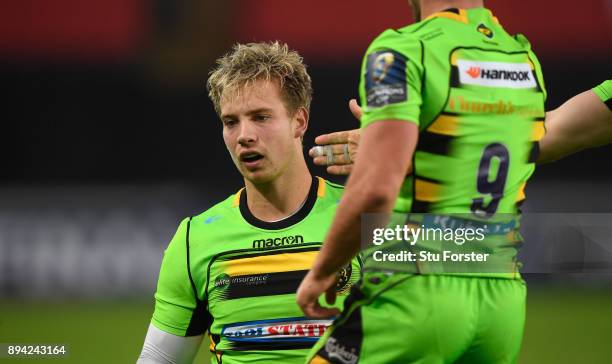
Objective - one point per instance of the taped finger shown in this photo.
(317, 151)
(347, 156)
(329, 152)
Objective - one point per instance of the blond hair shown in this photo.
(247, 63)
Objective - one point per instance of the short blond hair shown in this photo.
(273, 61)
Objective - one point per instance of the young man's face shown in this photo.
(260, 134)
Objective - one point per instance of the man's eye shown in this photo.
(260, 117)
(229, 122)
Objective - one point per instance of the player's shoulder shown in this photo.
(332, 190)
(473, 28)
(222, 210)
(207, 227)
(328, 196)
(400, 40)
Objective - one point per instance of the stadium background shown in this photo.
(108, 140)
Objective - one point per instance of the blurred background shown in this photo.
(108, 140)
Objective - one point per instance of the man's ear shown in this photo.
(301, 122)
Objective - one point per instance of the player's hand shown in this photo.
(338, 150)
(309, 291)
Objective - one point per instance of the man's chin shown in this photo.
(258, 176)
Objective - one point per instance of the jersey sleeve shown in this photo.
(178, 310)
(161, 347)
(391, 79)
(604, 92)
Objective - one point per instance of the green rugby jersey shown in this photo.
(477, 95)
(235, 276)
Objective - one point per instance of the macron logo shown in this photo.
(278, 242)
(496, 74)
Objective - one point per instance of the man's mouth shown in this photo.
(250, 157)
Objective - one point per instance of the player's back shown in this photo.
(479, 97)
(476, 95)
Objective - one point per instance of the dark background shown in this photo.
(108, 140)
(118, 95)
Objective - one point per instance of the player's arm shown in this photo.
(584, 121)
(180, 318)
(161, 347)
(372, 187)
(391, 99)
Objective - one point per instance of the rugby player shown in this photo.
(582, 122)
(459, 105)
(233, 270)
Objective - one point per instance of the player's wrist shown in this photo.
(323, 271)
(317, 273)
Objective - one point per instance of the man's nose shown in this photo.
(247, 133)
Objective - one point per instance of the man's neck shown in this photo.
(434, 6)
(282, 197)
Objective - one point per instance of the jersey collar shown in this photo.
(286, 222)
(460, 15)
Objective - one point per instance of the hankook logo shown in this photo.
(474, 72)
(496, 74)
(278, 242)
